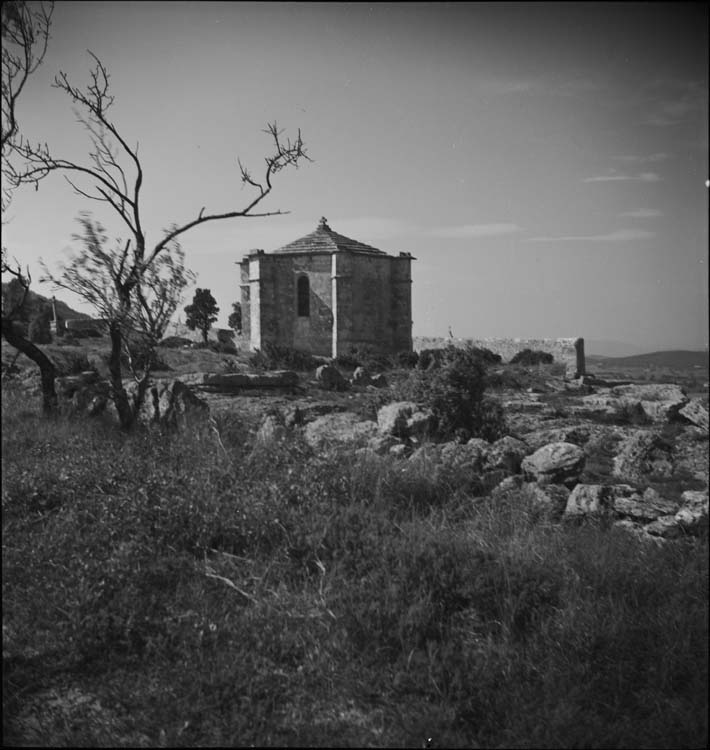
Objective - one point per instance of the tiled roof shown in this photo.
(324, 239)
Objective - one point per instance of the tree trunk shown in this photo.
(126, 415)
(204, 335)
(47, 370)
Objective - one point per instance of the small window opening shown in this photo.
(304, 297)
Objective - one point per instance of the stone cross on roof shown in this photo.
(323, 223)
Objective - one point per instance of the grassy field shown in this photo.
(159, 592)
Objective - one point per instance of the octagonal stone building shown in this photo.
(326, 294)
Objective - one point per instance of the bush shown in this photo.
(407, 359)
(532, 357)
(175, 342)
(453, 386)
(489, 357)
(365, 356)
(275, 357)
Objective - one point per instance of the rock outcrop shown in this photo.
(238, 381)
(556, 463)
(330, 378)
(657, 402)
(643, 454)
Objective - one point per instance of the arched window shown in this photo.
(304, 297)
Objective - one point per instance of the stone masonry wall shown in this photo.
(569, 351)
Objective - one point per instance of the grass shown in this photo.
(279, 597)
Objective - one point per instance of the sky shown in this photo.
(545, 163)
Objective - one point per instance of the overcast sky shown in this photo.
(545, 163)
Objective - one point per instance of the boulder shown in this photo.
(696, 413)
(68, 385)
(637, 507)
(665, 527)
(642, 454)
(620, 500)
(170, 403)
(690, 453)
(659, 402)
(85, 393)
(381, 444)
(556, 463)
(360, 376)
(379, 381)
(508, 485)
(428, 454)
(330, 378)
(336, 430)
(234, 382)
(506, 454)
(549, 500)
(398, 451)
(392, 418)
(302, 413)
(590, 499)
(270, 431)
(471, 455)
(421, 424)
(693, 513)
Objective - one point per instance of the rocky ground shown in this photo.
(634, 453)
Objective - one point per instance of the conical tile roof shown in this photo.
(324, 239)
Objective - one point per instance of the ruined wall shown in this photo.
(569, 351)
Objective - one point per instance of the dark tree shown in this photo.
(202, 312)
(12, 310)
(93, 275)
(113, 176)
(235, 318)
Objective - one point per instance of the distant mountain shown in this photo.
(36, 301)
(609, 348)
(679, 359)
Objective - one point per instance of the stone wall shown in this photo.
(569, 351)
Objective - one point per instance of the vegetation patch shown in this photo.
(365, 600)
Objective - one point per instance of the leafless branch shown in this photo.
(25, 34)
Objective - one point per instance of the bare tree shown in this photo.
(12, 306)
(113, 176)
(25, 33)
(98, 274)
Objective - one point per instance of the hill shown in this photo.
(35, 302)
(676, 359)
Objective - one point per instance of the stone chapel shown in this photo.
(325, 294)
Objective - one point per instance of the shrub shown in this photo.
(275, 357)
(532, 357)
(407, 359)
(489, 357)
(429, 358)
(175, 342)
(365, 356)
(454, 389)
